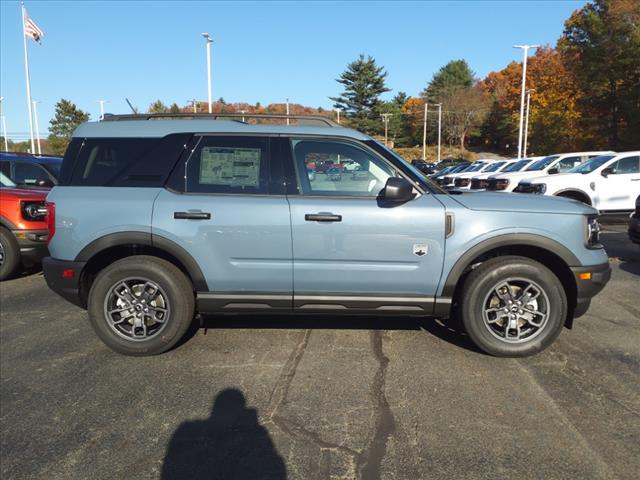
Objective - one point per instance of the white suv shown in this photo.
(609, 183)
(559, 163)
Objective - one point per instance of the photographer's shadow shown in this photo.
(230, 444)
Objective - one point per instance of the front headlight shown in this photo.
(502, 184)
(592, 232)
(539, 188)
(33, 211)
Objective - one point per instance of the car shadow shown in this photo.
(229, 444)
(618, 246)
(449, 330)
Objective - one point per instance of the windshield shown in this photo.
(592, 164)
(516, 167)
(445, 170)
(494, 167)
(542, 164)
(6, 181)
(460, 168)
(475, 167)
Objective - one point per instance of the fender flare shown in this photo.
(506, 240)
(146, 239)
(7, 224)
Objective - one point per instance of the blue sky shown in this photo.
(264, 51)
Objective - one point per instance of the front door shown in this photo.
(352, 252)
(621, 187)
(221, 208)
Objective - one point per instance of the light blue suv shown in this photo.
(157, 219)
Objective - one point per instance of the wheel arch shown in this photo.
(573, 193)
(109, 248)
(550, 253)
(6, 223)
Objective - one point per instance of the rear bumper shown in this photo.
(33, 244)
(57, 275)
(587, 288)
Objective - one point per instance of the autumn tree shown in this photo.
(601, 47)
(364, 82)
(66, 119)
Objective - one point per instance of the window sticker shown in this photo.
(235, 167)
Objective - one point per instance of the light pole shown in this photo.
(4, 127)
(242, 112)
(439, 105)
(209, 41)
(287, 111)
(35, 120)
(102, 102)
(525, 53)
(526, 124)
(194, 103)
(338, 114)
(424, 132)
(385, 119)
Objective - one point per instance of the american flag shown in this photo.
(32, 30)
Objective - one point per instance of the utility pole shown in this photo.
(102, 102)
(194, 103)
(287, 111)
(526, 124)
(525, 53)
(209, 41)
(4, 126)
(424, 132)
(35, 121)
(385, 119)
(439, 129)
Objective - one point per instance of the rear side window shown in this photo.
(228, 165)
(627, 165)
(101, 160)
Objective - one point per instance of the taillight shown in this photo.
(51, 219)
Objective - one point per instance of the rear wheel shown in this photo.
(513, 306)
(9, 254)
(141, 305)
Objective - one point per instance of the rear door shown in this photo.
(350, 250)
(222, 207)
(620, 188)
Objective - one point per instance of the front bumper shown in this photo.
(57, 273)
(33, 245)
(589, 282)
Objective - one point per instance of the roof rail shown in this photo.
(302, 119)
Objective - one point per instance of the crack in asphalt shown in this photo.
(371, 461)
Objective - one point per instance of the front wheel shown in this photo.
(9, 254)
(513, 306)
(141, 305)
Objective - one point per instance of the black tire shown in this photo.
(172, 283)
(575, 196)
(478, 291)
(10, 254)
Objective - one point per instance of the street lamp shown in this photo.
(439, 105)
(209, 41)
(424, 132)
(525, 53)
(4, 126)
(526, 123)
(102, 102)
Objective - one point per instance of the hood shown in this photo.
(24, 193)
(517, 202)
(522, 174)
(564, 178)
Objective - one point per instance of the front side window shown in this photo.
(517, 166)
(590, 165)
(327, 158)
(228, 165)
(542, 163)
(567, 164)
(627, 165)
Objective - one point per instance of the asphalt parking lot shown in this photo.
(317, 397)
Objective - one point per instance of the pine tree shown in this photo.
(454, 74)
(66, 119)
(363, 82)
(158, 107)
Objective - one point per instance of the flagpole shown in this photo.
(35, 121)
(28, 78)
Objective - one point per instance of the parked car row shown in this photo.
(606, 180)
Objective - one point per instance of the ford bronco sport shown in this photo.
(155, 219)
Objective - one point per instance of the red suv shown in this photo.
(23, 227)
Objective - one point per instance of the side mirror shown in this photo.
(607, 171)
(553, 171)
(397, 190)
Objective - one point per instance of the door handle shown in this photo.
(191, 215)
(322, 217)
